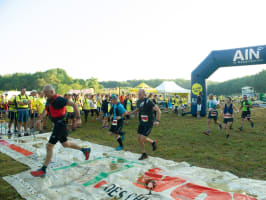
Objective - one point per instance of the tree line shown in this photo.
(63, 82)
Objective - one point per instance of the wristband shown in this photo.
(157, 120)
(78, 117)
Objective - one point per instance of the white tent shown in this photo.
(170, 87)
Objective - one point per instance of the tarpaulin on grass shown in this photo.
(119, 175)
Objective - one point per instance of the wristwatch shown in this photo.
(157, 120)
(78, 117)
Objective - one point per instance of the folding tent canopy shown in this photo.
(171, 87)
(144, 86)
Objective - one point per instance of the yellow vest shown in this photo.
(41, 103)
(12, 106)
(86, 104)
(23, 99)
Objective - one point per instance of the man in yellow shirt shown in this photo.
(12, 114)
(70, 112)
(41, 101)
(34, 109)
(86, 107)
(23, 102)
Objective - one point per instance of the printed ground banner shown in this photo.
(119, 175)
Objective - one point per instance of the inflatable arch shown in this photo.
(224, 58)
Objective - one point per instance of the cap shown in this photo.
(113, 96)
(34, 91)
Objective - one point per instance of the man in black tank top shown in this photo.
(146, 109)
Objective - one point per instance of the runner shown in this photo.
(228, 111)
(213, 113)
(105, 112)
(146, 107)
(118, 113)
(56, 109)
(246, 114)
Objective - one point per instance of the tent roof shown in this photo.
(171, 87)
(144, 86)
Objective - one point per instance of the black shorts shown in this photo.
(145, 128)
(228, 120)
(12, 115)
(34, 115)
(246, 114)
(70, 115)
(117, 128)
(59, 132)
(213, 117)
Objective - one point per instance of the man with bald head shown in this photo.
(56, 109)
(146, 109)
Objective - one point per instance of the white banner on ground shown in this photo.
(119, 175)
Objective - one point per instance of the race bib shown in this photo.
(114, 123)
(144, 118)
(214, 113)
(228, 116)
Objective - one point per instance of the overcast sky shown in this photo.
(122, 39)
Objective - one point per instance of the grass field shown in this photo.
(180, 139)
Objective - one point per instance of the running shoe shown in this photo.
(19, 135)
(240, 128)
(9, 132)
(220, 126)
(154, 145)
(227, 136)
(206, 132)
(26, 134)
(143, 156)
(119, 148)
(38, 173)
(87, 153)
(252, 124)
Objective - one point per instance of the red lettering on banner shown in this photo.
(191, 191)
(162, 182)
(16, 148)
(243, 197)
(187, 191)
(100, 184)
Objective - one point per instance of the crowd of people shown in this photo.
(113, 110)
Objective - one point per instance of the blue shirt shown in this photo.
(121, 110)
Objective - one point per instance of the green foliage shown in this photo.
(57, 77)
(258, 81)
(63, 82)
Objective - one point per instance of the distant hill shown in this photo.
(63, 82)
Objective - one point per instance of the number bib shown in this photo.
(214, 113)
(144, 118)
(114, 123)
(228, 116)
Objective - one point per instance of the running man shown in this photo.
(146, 109)
(105, 112)
(56, 109)
(246, 114)
(213, 113)
(118, 113)
(228, 113)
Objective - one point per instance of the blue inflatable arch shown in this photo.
(232, 57)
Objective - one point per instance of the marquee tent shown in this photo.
(144, 86)
(171, 87)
